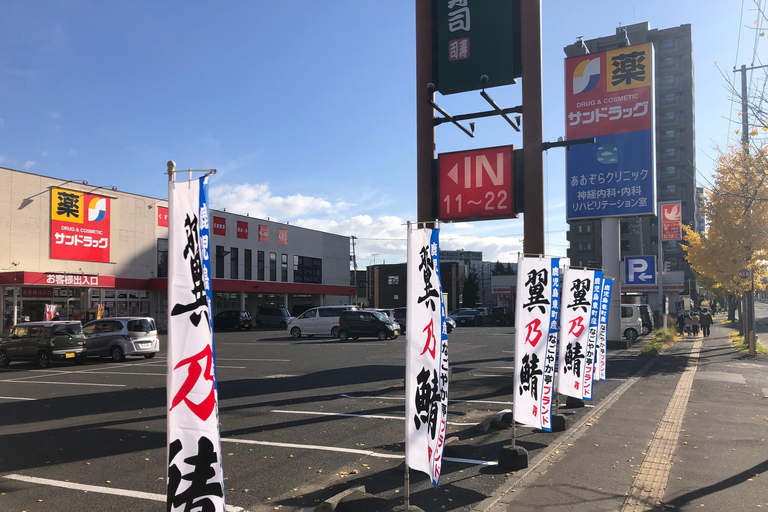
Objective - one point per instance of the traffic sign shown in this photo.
(476, 184)
(640, 270)
(743, 273)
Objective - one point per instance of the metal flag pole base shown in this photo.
(513, 457)
(574, 403)
(406, 506)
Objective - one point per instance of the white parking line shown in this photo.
(17, 398)
(99, 489)
(259, 360)
(490, 402)
(64, 383)
(350, 415)
(350, 450)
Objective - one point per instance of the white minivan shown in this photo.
(631, 321)
(322, 320)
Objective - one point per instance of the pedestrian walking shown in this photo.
(706, 322)
(695, 323)
(688, 324)
(680, 323)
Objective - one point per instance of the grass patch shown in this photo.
(660, 339)
(739, 343)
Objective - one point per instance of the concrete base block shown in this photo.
(560, 423)
(331, 503)
(574, 403)
(513, 458)
(618, 344)
(412, 508)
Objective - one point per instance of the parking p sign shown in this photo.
(640, 269)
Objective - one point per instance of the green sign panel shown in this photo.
(475, 38)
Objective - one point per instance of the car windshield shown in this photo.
(245, 314)
(74, 328)
(283, 311)
(380, 316)
(141, 325)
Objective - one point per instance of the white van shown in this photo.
(631, 321)
(322, 320)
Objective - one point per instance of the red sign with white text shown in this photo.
(671, 221)
(263, 233)
(80, 226)
(242, 230)
(219, 226)
(476, 184)
(162, 216)
(282, 236)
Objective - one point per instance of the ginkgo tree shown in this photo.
(736, 209)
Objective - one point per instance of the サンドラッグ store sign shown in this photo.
(80, 225)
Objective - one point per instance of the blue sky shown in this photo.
(307, 109)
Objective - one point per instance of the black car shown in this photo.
(465, 316)
(500, 316)
(233, 320)
(366, 322)
(400, 317)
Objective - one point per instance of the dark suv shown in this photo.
(366, 322)
(500, 315)
(233, 320)
(44, 342)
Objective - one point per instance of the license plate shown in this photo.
(144, 345)
(397, 333)
(69, 355)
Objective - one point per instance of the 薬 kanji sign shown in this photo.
(609, 96)
(80, 226)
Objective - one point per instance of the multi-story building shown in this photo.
(675, 153)
(79, 246)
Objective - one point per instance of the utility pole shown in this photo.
(354, 266)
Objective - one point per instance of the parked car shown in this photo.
(322, 320)
(366, 322)
(450, 324)
(483, 314)
(464, 316)
(44, 342)
(118, 337)
(500, 315)
(400, 313)
(273, 316)
(232, 319)
(631, 321)
(646, 317)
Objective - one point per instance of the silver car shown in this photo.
(122, 336)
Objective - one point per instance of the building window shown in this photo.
(667, 62)
(284, 268)
(667, 44)
(668, 80)
(248, 256)
(669, 153)
(393, 279)
(260, 265)
(273, 266)
(667, 99)
(668, 135)
(589, 227)
(162, 257)
(669, 117)
(624, 227)
(585, 246)
(669, 190)
(307, 270)
(669, 172)
(219, 262)
(233, 262)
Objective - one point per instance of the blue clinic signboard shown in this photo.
(640, 270)
(614, 177)
(610, 96)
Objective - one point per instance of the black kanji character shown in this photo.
(537, 284)
(580, 289)
(198, 495)
(529, 372)
(192, 253)
(628, 67)
(573, 358)
(68, 205)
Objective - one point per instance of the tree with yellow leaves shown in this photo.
(736, 210)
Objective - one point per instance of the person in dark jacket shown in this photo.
(705, 319)
(680, 323)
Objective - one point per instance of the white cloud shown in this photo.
(55, 114)
(258, 201)
(29, 164)
(44, 154)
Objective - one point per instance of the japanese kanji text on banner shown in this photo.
(426, 357)
(602, 330)
(195, 474)
(536, 341)
(578, 331)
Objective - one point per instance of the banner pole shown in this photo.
(407, 497)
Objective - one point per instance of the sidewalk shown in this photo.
(709, 452)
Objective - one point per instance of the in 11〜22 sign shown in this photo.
(476, 184)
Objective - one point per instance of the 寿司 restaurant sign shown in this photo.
(80, 226)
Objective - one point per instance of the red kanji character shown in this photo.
(533, 327)
(576, 326)
(430, 330)
(204, 409)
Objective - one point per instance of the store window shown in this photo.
(284, 268)
(260, 265)
(307, 270)
(234, 256)
(248, 264)
(273, 266)
(162, 257)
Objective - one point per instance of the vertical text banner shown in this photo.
(589, 359)
(426, 357)
(538, 299)
(80, 226)
(602, 330)
(610, 96)
(195, 473)
(671, 221)
(576, 313)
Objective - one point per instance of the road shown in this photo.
(301, 419)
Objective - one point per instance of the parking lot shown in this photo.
(301, 419)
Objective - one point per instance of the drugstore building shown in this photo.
(78, 246)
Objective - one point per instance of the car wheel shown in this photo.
(149, 356)
(394, 337)
(646, 329)
(43, 359)
(449, 328)
(296, 332)
(117, 354)
(258, 323)
(335, 332)
(4, 361)
(630, 334)
(343, 335)
(382, 335)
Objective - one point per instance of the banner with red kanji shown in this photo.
(536, 319)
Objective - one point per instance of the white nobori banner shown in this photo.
(426, 357)
(601, 352)
(578, 331)
(195, 474)
(536, 320)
